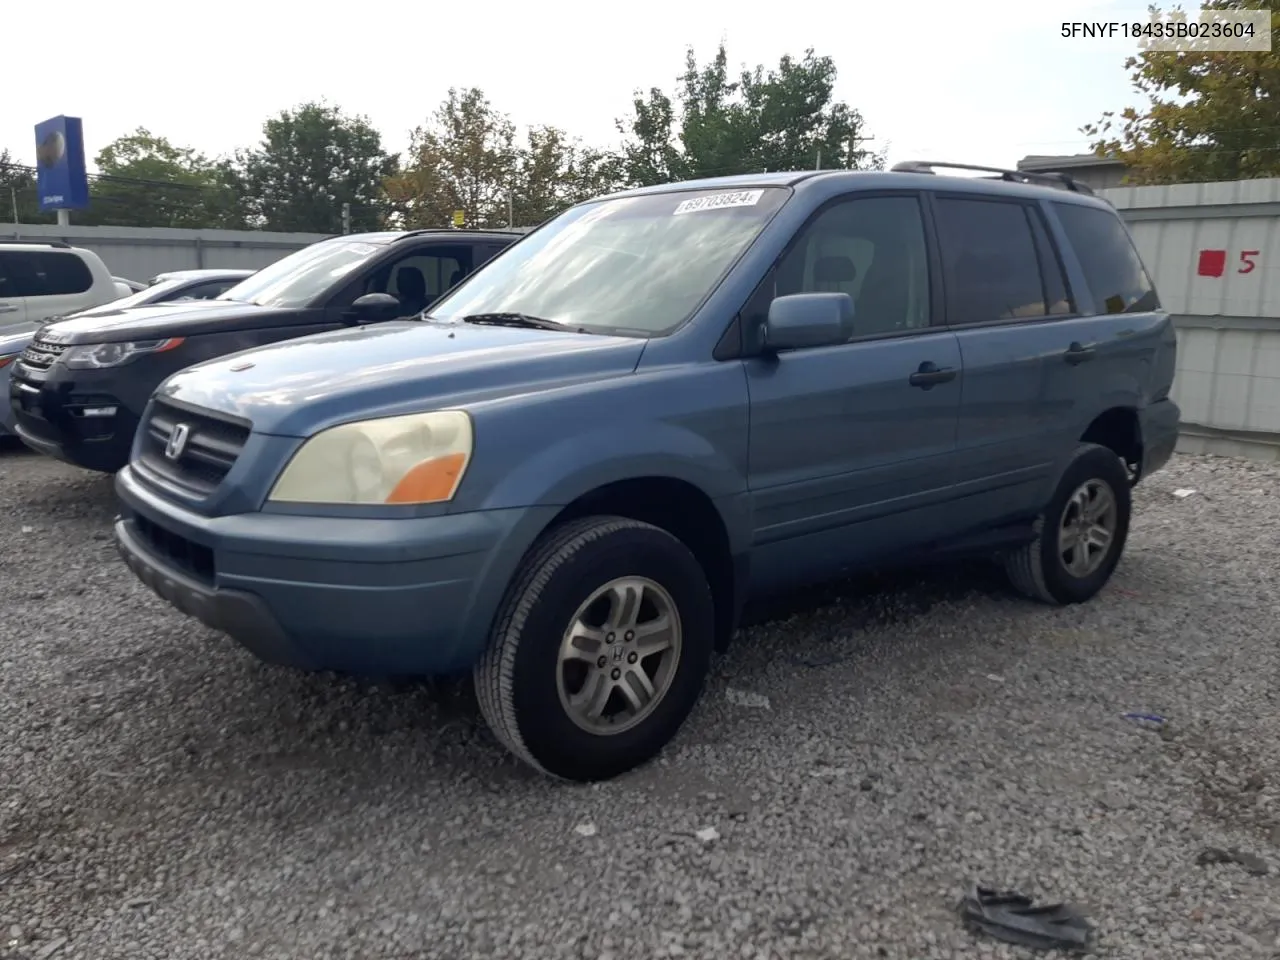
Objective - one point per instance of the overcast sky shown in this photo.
(983, 82)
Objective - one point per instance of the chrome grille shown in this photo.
(199, 463)
(42, 354)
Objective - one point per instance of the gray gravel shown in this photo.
(862, 758)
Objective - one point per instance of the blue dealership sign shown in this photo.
(60, 172)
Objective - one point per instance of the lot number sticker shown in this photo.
(717, 201)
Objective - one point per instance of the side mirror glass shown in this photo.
(376, 308)
(808, 320)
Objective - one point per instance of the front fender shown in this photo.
(576, 465)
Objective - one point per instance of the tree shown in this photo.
(144, 180)
(462, 158)
(19, 201)
(1209, 115)
(311, 160)
(781, 119)
(554, 171)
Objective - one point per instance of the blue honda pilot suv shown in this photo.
(571, 475)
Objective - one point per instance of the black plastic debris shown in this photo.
(1013, 918)
(1252, 863)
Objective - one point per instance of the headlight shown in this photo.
(6, 359)
(418, 458)
(96, 356)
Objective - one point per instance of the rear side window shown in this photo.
(51, 273)
(997, 262)
(1111, 265)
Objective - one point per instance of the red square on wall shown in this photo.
(1213, 263)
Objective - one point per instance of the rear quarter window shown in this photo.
(54, 273)
(1112, 268)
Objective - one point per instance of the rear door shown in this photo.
(13, 304)
(1010, 306)
(850, 448)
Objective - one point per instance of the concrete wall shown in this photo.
(139, 253)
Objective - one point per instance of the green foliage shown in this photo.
(468, 157)
(18, 198)
(311, 161)
(145, 181)
(780, 119)
(1208, 116)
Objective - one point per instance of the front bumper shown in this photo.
(1159, 423)
(64, 418)
(411, 597)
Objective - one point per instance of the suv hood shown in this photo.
(299, 387)
(152, 321)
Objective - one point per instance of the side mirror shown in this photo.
(375, 308)
(808, 320)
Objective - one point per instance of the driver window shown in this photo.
(416, 280)
(874, 250)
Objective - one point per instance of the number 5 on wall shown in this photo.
(1247, 261)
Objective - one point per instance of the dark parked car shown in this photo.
(202, 284)
(78, 390)
(571, 475)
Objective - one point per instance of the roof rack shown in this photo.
(1059, 180)
(36, 242)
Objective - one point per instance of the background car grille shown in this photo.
(41, 354)
(213, 446)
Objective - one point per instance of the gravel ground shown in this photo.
(863, 756)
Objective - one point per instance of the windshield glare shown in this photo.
(296, 280)
(634, 265)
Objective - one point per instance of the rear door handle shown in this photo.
(8, 308)
(1078, 353)
(930, 375)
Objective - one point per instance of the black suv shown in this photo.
(78, 391)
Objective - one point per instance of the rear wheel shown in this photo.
(1081, 533)
(600, 650)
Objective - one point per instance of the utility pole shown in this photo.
(13, 194)
(510, 219)
(818, 165)
(346, 218)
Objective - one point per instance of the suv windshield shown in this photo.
(299, 278)
(632, 265)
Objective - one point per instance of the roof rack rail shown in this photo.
(1059, 180)
(37, 242)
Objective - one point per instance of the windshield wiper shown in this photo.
(516, 320)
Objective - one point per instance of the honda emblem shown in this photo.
(177, 441)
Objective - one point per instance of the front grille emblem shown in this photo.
(177, 441)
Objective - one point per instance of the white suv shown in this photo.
(40, 279)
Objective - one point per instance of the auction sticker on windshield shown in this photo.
(716, 201)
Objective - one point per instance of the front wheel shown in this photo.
(1081, 533)
(600, 650)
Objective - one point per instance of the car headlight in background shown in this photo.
(97, 356)
(414, 459)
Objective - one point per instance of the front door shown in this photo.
(852, 444)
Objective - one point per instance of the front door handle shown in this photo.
(1078, 353)
(930, 375)
(8, 308)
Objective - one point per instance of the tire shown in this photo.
(1040, 569)
(525, 689)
